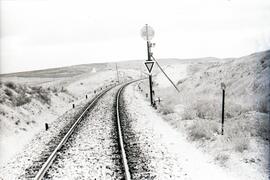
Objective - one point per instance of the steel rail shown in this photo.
(41, 173)
(121, 141)
(51, 158)
(120, 134)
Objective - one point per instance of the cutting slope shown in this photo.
(196, 110)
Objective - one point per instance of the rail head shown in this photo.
(120, 134)
(121, 140)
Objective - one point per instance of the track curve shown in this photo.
(124, 164)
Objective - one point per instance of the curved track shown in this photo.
(50, 160)
(120, 134)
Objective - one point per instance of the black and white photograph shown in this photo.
(134, 90)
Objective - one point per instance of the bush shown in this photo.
(11, 85)
(42, 94)
(22, 94)
(188, 113)
(240, 143)
(202, 108)
(263, 127)
(55, 90)
(8, 92)
(44, 97)
(202, 130)
(36, 89)
(2, 99)
(222, 158)
(263, 106)
(165, 110)
(21, 100)
(63, 90)
(210, 108)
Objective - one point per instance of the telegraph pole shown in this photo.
(117, 72)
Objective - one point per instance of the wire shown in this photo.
(166, 75)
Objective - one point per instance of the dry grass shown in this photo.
(21, 100)
(222, 158)
(42, 94)
(202, 130)
(10, 85)
(240, 144)
(165, 110)
(18, 95)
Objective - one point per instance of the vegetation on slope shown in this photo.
(197, 108)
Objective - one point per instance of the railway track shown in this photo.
(39, 170)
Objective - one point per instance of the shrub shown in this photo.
(44, 96)
(11, 85)
(41, 93)
(55, 90)
(63, 90)
(235, 107)
(202, 130)
(188, 113)
(205, 107)
(202, 108)
(263, 106)
(8, 92)
(36, 89)
(2, 99)
(222, 158)
(165, 110)
(240, 143)
(21, 100)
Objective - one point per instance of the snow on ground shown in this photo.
(171, 155)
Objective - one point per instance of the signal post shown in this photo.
(147, 34)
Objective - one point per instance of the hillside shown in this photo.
(196, 110)
(28, 100)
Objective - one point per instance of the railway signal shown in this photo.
(149, 65)
(147, 33)
(117, 73)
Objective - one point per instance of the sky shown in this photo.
(39, 34)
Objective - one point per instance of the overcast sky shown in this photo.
(37, 34)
